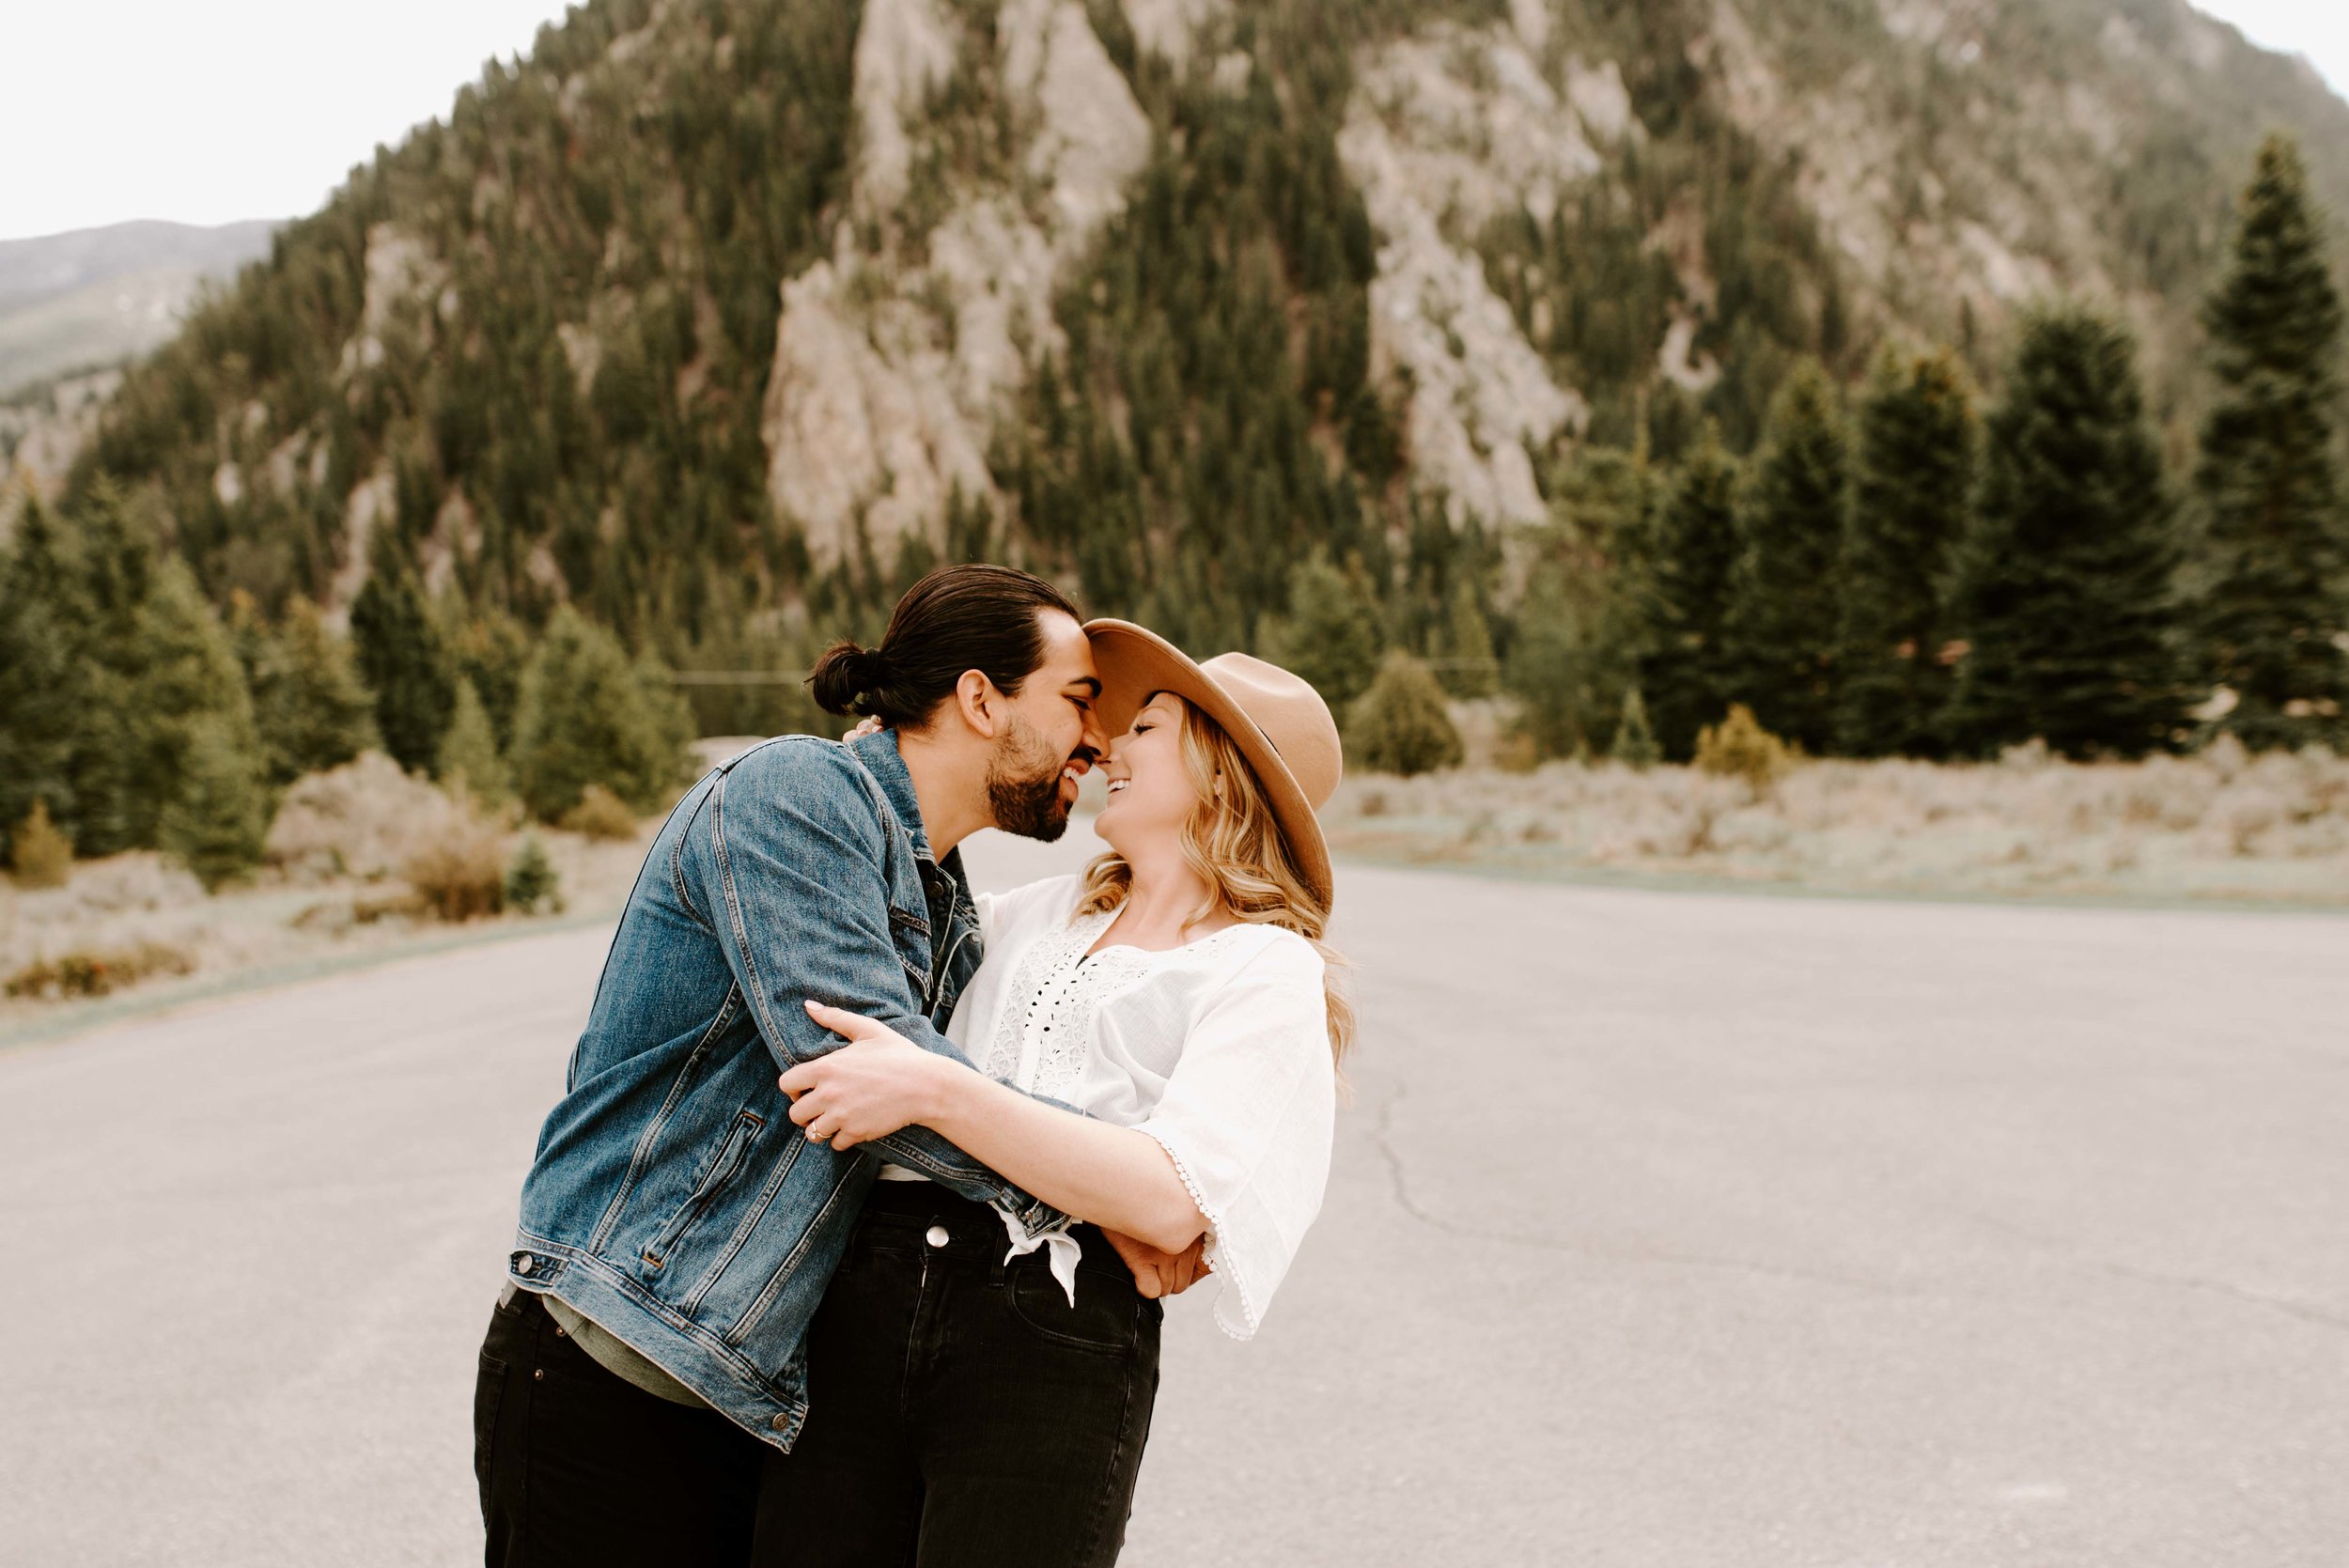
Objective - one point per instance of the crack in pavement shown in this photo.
(1381, 1137)
(1381, 1134)
(2158, 1276)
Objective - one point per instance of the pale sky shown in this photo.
(206, 113)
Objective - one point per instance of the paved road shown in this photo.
(1667, 1230)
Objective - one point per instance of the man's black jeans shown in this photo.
(579, 1468)
(963, 1414)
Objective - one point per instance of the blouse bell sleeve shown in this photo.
(1248, 1117)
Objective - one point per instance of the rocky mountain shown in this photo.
(711, 315)
(95, 297)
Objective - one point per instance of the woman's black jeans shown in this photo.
(961, 1413)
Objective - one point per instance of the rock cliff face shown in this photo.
(895, 357)
(1447, 130)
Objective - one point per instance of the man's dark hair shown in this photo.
(967, 617)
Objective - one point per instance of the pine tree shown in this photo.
(2065, 576)
(1785, 605)
(216, 817)
(189, 680)
(585, 717)
(532, 880)
(490, 649)
(469, 761)
(1467, 647)
(110, 582)
(1399, 726)
(1688, 668)
(1330, 635)
(2273, 618)
(1635, 741)
(313, 711)
(44, 676)
(1913, 484)
(1550, 666)
(403, 663)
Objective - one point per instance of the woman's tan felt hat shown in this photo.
(1278, 720)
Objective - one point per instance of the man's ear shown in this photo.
(979, 703)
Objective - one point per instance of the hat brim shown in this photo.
(1136, 662)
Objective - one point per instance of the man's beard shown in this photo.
(1024, 785)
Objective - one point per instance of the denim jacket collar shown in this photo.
(880, 753)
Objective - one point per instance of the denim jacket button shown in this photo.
(524, 1264)
(780, 1423)
(937, 1235)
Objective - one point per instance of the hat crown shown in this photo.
(1293, 717)
(1278, 720)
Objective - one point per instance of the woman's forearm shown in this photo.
(1113, 1176)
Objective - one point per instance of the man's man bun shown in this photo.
(845, 678)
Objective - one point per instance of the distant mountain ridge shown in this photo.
(93, 297)
(711, 316)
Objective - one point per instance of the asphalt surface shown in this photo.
(1666, 1229)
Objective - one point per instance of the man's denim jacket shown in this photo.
(673, 1201)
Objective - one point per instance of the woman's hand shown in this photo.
(877, 1084)
(1158, 1272)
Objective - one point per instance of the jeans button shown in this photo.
(936, 1236)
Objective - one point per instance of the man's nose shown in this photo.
(1095, 739)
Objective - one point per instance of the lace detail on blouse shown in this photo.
(1223, 1267)
(1043, 1041)
(1038, 995)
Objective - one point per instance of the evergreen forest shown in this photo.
(369, 498)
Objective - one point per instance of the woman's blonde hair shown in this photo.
(1234, 843)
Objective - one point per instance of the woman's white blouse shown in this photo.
(1219, 1050)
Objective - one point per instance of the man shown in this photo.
(677, 1230)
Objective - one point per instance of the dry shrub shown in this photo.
(140, 880)
(601, 815)
(1739, 748)
(2249, 811)
(38, 855)
(366, 818)
(1515, 752)
(97, 974)
(2225, 757)
(2274, 826)
(406, 904)
(1488, 736)
(460, 876)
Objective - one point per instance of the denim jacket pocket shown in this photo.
(732, 1156)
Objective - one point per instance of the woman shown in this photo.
(974, 1403)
